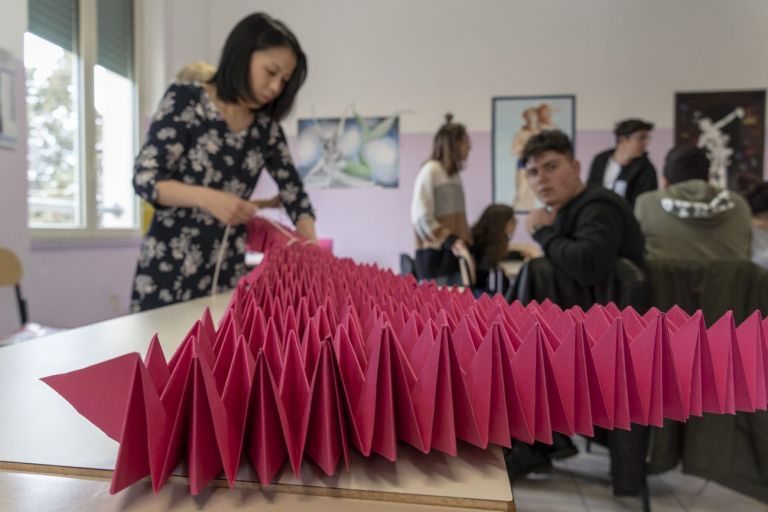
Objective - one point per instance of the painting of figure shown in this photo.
(515, 120)
(729, 126)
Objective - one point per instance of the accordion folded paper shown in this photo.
(316, 355)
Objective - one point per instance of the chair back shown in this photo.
(10, 275)
(714, 287)
(10, 268)
(625, 284)
(407, 265)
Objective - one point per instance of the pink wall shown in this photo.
(13, 204)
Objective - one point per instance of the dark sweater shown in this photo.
(639, 175)
(589, 233)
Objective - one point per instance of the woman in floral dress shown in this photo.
(204, 152)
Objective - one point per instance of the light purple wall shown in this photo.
(13, 204)
(77, 283)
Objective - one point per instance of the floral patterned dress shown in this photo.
(190, 142)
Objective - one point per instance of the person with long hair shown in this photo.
(491, 245)
(203, 155)
(438, 212)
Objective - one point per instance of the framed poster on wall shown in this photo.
(515, 119)
(729, 125)
(349, 152)
(9, 130)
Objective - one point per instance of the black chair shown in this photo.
(407, 265)
(625, 285)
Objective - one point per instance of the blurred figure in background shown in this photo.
(625, 168)
(690, 218)
(438, 212)
(491, 246)
(756, 193)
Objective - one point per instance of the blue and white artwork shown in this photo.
(349, 152)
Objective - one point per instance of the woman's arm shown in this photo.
(306, 227)
(226, 207)
(280, 166)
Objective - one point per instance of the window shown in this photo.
(81, 113)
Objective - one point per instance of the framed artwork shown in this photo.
(349, 151)
(9, 130)
(729, 126)
(515, 120)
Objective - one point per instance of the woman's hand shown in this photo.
(227, 207)
(459, 247)
(305, 226)
(272, 202)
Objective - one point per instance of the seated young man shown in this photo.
(691, 219)
(582, 231)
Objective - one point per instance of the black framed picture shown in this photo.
(729, 126)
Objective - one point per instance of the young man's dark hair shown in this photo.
(627, 127)
(548, 140)
(256, 32)
(685, 163)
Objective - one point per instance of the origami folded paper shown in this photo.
(306, 364)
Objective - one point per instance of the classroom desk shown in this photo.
(511, 267)
(51, 458)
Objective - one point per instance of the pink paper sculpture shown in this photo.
(317, 355)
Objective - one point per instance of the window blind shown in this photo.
(54, 21)
(115, 36)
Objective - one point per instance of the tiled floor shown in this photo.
(581, 484)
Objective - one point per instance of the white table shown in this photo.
(42, 435)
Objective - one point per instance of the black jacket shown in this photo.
(589, 234)
(639, 175)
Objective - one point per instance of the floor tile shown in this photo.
(582, 483)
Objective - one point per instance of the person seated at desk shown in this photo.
(582, 230)
(756, 194)
(689, 218)
(494, 255)
(491, 245)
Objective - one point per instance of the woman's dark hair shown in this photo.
(755, 191)
(445, 147)
(490, 234)
(257, 32)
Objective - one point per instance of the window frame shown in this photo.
(87, 60)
